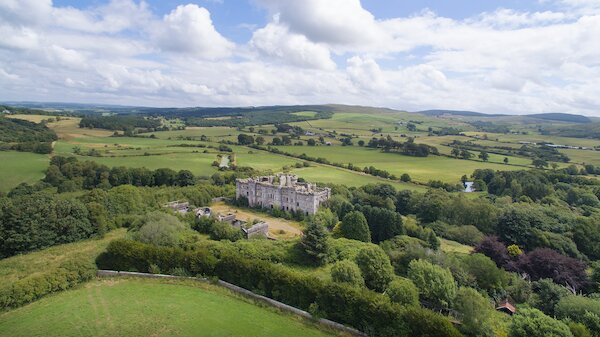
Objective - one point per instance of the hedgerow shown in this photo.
(361, 308)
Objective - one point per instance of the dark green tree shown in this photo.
(375, 267)
(314, 243)
(533, 323)
(346, 271)
(354, 226)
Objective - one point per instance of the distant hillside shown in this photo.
(19, 131)
(562, 117)
(554, 116)
(590, 130)
(434, 113)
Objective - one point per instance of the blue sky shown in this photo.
(230, 16)
(491, 56)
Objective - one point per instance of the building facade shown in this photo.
(282, 191)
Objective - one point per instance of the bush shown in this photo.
(225, 231)
(354, 226)
(356, 307)
(468, 235)
(346, 271)
(533, 323)
(403, 292)
(575, 307)
(67, 275)
(489, 277)
(475, 311)
(375, 267)
(435, 283)
(159, 229)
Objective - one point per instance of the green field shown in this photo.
(135, 307)
(20, 167)
(422, 169)
(161, 152)
(360, 124)
(328, 174)
(27, 265)
(449, 246)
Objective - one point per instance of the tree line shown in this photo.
(25, 136)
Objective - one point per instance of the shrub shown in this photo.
(315, 243)
(354, 226)
(356, 307)
(159, 229)
(403, 292)
(533, 323)
(468, 235)
(488, 276)
(575, 307)
(224, 231)
(547, 263)
(491, 247)
(475, 311)
(375, 267)
(67, 275)
(435, 283)
(547, 295)
(346, 271)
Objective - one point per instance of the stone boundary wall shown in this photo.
(244, 292)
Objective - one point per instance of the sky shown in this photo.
(512, 56)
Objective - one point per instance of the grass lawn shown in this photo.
(30, 264)
(136, 307)
(449, 246)
(537, 138)
(21, 167)
(422, 169)
(582, 156)
(31, 118)
(328, 174)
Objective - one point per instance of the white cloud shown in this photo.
(116, 16)
(508, 18)
(365, 73)
(123, 52)
(189, 29)
(339, 22)
(275, 41)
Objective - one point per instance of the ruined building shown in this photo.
(282, 191)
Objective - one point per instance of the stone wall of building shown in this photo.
(283, 192)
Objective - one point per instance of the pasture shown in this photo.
(21, 167)
(164, 150)
(31, 264)
(148, 307)
(421, 169)
(335, 175)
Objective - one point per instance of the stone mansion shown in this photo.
(282, 191)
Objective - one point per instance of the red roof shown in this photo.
(507, 307)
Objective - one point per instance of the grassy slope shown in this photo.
(19, 167)
(328, 174)
(449, 246)
(134, 307)
(20, 266)
(420, 169)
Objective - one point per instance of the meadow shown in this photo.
(421, 169)
(135, 307)
(29, 265)
(163, 150)
(21, 167)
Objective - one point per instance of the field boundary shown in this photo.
(244, 292)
